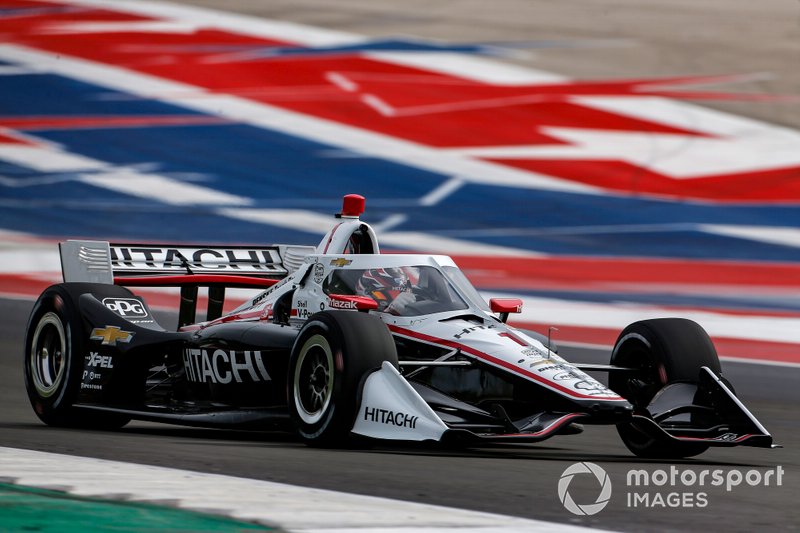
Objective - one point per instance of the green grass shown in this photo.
(47, 511)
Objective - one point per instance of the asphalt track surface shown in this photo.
(511, 479)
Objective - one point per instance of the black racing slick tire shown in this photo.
(55, 348)
(665, 351)
(331, 358)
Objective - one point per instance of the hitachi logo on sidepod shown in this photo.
(223, 367)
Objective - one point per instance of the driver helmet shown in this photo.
(383, 284)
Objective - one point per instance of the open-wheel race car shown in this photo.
(347, 343)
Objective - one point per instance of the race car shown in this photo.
(345, 343)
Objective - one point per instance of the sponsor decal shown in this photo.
(99, 361)
(534, 352)
(172, 259)
(556, 366)
(539, 356)
(260, 298)
(224, 366)
(586, 385)
(391, 418)
(128, 308)
(340, 262)
(340, 304)
(88, 375)
(319, 273)
(277, 286)
(111, 335)
(95, 362)
(302, 309)
(467, 331)
(570, 375)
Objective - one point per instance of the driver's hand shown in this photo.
(399, 304)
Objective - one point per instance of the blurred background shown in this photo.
(605, 161)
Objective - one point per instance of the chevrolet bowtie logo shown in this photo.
(110, 335)
(341, 262)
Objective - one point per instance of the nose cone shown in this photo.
(611, 412)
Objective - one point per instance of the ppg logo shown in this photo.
(126, 307)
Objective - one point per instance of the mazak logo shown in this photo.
(126, 307)
(342, 304)
(602, 498)
(111, 335)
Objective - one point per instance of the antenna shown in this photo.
(550, 331)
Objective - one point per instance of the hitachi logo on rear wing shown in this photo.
(99, 262)
(134, 259)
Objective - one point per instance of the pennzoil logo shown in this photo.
(340, 262)
(111, 335)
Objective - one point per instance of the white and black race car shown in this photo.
(347, 343)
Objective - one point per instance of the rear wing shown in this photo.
(184, 266)
(103, 262)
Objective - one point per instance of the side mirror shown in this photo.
(504, 306)
(346, 301)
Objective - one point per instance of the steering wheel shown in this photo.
(423, 294)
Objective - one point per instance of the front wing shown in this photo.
(391, 408)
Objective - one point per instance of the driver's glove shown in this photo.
(399, 304)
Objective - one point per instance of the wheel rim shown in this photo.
(313, 379)
(47, 355)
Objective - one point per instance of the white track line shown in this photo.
(441, 192)
(782, 236)
(292, 507)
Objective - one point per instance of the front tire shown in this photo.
(665, 351)
(331, 357)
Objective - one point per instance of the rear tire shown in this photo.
(55, 347)
(332, 356)
(665, 350)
